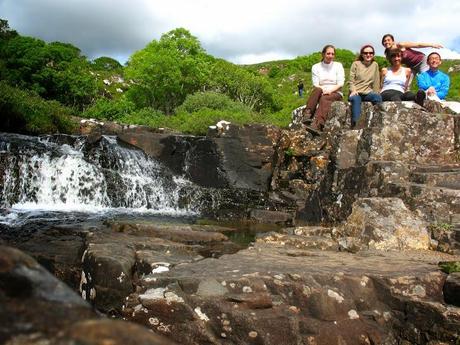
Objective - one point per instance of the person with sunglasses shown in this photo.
(395, 79)
(364, 82)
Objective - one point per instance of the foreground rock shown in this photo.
(36, 308)
(191, 285)
(281, 294)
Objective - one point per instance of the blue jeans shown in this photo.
(356, 103)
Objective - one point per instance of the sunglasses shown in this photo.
(368, 53)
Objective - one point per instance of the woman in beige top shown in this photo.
(364, 82)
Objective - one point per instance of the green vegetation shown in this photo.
(26, 112)
(171, 83)
(449, 266)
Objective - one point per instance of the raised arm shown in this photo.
(418, 45)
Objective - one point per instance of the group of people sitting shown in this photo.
(368, 84)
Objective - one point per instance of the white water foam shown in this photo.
(113, 179)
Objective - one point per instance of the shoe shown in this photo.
(353, 124)
(306, 113)
(314, 128)
(420, 97)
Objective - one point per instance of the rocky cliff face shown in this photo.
(380, 205)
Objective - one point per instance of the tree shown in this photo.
(105, 63)
(166, 71)
(243, 86)
(5, 31)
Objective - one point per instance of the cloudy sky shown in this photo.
(241, 31)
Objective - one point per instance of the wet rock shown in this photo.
(125, 253)
(277, 217)
(36, 308)
(114, 332)
(59, 250)
(451, 289)
(239, 157)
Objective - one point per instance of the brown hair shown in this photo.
(389, 53)
(326, 47)
(360, 56)
(387, 35)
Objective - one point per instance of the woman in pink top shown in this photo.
(411, 58)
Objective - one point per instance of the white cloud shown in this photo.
(241, 31)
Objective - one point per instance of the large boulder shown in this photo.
(236, 157)
(386, 224)
(36, 308)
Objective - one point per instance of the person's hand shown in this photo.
(353, 93)
(436, 45)
(326, 91)
(431, 91)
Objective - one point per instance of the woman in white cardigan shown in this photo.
(328, 78)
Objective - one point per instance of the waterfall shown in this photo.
(70, 174)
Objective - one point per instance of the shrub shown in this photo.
(210, 100)
(27, 113)
(145, 116)
(105, 109)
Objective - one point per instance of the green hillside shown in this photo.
(172, 82)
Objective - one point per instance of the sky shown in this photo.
(240, 31)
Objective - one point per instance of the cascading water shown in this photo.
(66, 173)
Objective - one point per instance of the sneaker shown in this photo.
(420, 97)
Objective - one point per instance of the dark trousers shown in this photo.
(319, 104)
(397, 96)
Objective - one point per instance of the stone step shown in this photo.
(446, 179)
(455, 220)
(454, 167)
(438, 203)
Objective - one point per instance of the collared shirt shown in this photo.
(439, 80)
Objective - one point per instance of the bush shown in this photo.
(197, 123)
(145, 116)
(210, 100)
(27, 113)
(105, 109)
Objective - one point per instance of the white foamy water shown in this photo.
(70, 178)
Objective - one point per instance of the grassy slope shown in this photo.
(286, 85)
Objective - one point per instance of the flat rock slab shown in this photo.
(270, 294)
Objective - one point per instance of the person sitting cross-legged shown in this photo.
(433, 84)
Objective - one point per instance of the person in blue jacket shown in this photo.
(433, 84)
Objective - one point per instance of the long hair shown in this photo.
(387, 35)
(326, 47)
(360, 56)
